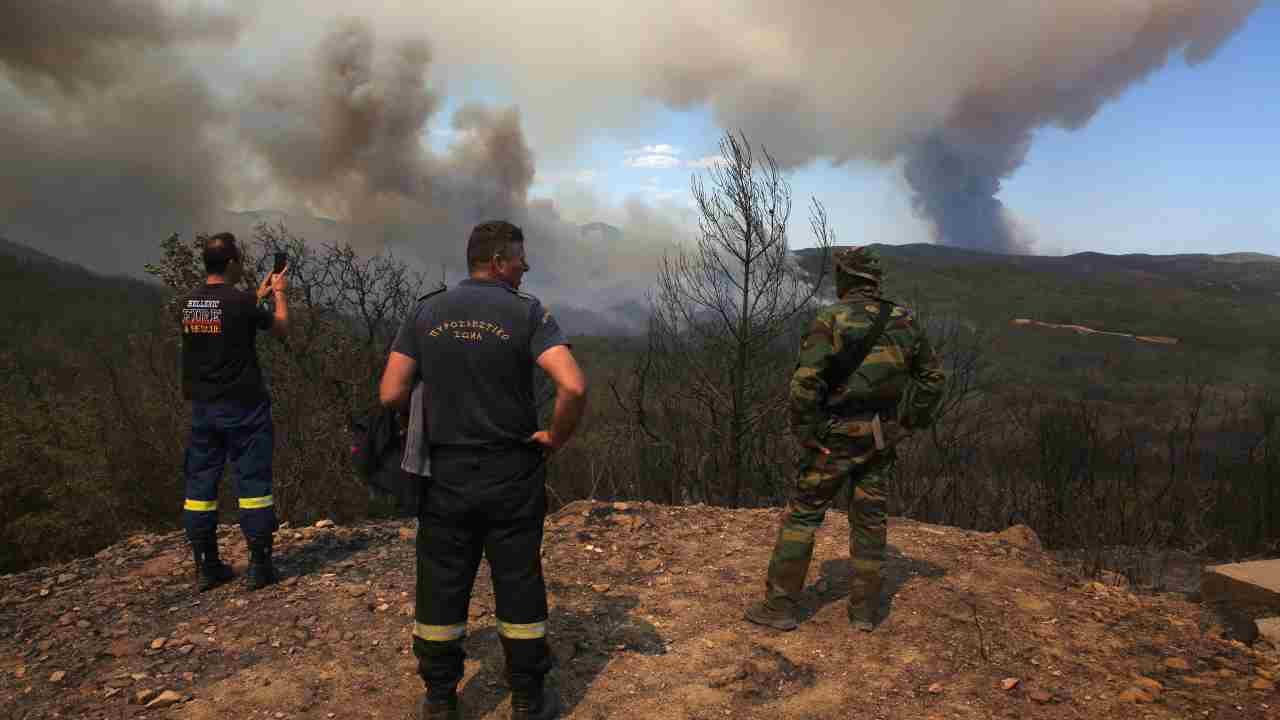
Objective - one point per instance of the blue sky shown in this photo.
(1183, 162)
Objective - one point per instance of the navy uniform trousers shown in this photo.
(491, 503)
(223, 430)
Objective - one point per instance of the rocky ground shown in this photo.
(645, 620)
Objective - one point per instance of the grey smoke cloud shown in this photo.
(342, 131)
(128, 119)
(78, 45)
(110, 136)
(955, 181)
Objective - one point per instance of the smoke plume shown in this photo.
(953, 90)
(956, 170)
(955, 185)
(342, 131)
(129, 119)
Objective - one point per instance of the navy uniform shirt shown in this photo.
(476, 346)
(219, 357)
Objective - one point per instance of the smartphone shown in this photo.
(282, 259)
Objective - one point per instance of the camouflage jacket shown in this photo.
(900, 364)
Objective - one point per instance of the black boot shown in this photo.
(439, 707)
(261, 572)
(212, 571)
(534, 703)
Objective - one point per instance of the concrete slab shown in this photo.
(1251, 588)
(1269, 628)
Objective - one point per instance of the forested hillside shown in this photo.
(1100, 443)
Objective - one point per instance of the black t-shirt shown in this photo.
(476, 345)
(219, 358)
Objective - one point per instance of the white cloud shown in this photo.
(653, 162)
(654, 157)
(706, 162)
(659, 149)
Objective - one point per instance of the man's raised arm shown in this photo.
(275, 285)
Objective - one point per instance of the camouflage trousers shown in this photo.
(819, 480)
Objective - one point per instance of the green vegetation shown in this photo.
(1207, 303)
(1092, 440)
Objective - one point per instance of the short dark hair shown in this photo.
(219, 250)
(491, 238)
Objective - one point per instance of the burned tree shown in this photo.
(712, 385)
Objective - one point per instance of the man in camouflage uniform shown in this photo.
(847, 416)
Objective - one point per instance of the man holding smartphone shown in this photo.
(230, 408)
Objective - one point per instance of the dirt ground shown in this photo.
(646, 608)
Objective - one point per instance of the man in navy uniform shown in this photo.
(474, 348)
(230, 409)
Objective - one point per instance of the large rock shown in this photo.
(164, 699)
(1021, 536)
(1269, 628)
(1250, 588)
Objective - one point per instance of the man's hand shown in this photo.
(265, 288)
(279, 281)
(543, 438)
(571, 397)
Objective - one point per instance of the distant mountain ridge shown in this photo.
(1246, 273)
(30, 254)
(601, 232)
(72, 274)
(269, 215)
(931, 251)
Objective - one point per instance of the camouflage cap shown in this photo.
(861, 261)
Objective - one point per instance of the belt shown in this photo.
(483, 448)
(886, 415)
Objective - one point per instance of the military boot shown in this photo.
(864, 603)
(211, 571)
(261, 572)
(778, 614)
(438, 708)
(534, 704)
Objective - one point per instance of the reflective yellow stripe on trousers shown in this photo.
(526, 631)
(200, 505)
(439, 633)
(256, 503)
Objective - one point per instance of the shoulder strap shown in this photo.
(845, 364)
(435, 292)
